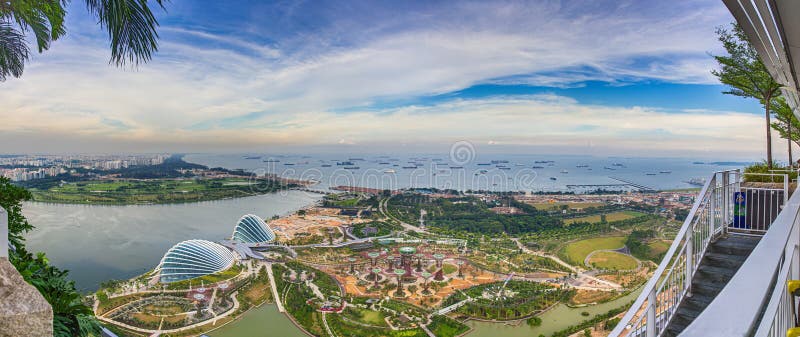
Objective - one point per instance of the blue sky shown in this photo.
(599, 77)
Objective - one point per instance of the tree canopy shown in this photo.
(745, 75)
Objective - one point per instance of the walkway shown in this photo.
(274, 288)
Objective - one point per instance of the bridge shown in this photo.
(633, 184)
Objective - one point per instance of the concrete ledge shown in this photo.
(23, 310)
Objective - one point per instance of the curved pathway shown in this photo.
(589, 257)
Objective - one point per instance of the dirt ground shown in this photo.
(315, 221)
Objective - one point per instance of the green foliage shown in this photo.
(470, 214)
(130, 24)
(637, 243)
(745, 75)
(785, 119)
(71, 317)
(534, 321)
(763, 168)
(443, 326)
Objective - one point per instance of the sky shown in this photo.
(567, 77)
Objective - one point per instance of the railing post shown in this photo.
(689, 257)
(651, 314)
(726, 198)
(3, 233)
(712, 208)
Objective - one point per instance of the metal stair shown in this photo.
(720, 263)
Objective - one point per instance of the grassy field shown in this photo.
(577, 251)
(615, 216)
(612, 261)
(155, 191)
(557, 205)
(657, 249)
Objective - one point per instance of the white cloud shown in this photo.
(234, 92)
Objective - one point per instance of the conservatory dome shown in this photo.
(252, 229)
(193, 258)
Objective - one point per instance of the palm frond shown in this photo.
(13, 51)
(131, 28)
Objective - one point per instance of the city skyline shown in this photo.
(605, 78)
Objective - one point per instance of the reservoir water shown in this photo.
(98, 243)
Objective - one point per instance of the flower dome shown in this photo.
(193, 258)
(252, 229)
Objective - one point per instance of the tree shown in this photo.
(787, 124)
(70, 316)
(130, 24)
(745, 75)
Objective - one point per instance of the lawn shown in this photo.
(657, 249)
(571, 205)
(370, 317)
(151, 191)
(615, 216)
(577, 251)
(612, 261)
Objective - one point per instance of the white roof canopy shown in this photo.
(773, 27)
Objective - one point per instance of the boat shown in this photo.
(665, 172)
(650, 174)
(609, 168)
(389, 171)
(384, 163)
(581, 166)
(504, 168)
(618, 165)
(288, 164)
(484, 164)
(345, 163)
(271, 161)
(696, 182)
(537, 166)
(499, 161)
(351, 167)
(355, 159)
(553, 178)
(564, 171)
(518, 164)
(326, 165)
(456, 167)
(252, 157)
(409, 167)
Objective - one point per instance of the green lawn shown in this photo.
(614, 216)
(154, 191)
(613, 261)
(577, 251)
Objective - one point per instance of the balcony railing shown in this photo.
(756, 301)
(720, 207)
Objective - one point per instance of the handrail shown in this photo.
(751, 290)
(3, 233)
(779, 307)
(679, 253)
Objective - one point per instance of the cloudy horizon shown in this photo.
(605, 78)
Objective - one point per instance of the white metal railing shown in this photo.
(779, 314)
(762, 204)
(3, 233)
(755, 301)
(671, 282)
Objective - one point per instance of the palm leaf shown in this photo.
(13, 51)
(131, 28)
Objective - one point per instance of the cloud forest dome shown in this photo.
(193, 258)
(252, 229)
